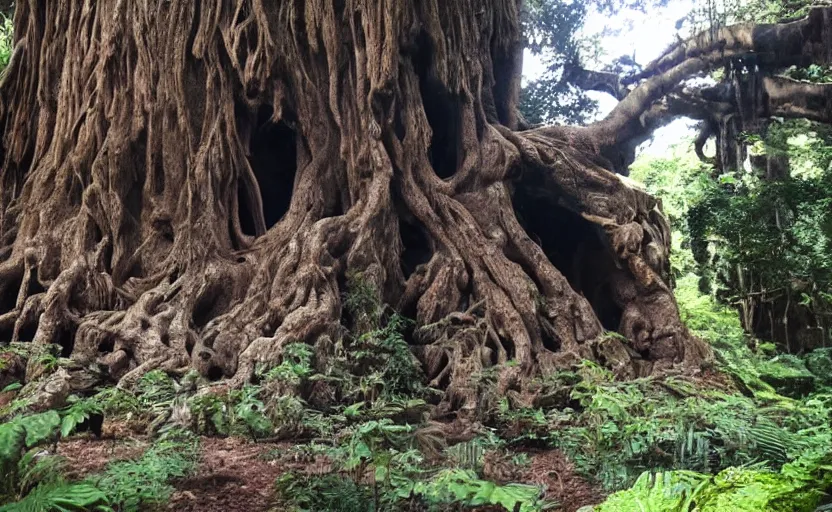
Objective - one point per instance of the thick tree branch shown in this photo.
(602, 81)
(782, 43)
(799, 43)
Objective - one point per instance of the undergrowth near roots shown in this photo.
(358, 411)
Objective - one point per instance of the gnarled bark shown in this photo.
(188, 184)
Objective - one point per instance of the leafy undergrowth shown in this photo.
(350, 430)
(752, 451)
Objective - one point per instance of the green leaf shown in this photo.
(14, 386)
(354, 410)
(60, 498)
(40, 427)
(12, 440)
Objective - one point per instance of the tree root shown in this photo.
(136, 212)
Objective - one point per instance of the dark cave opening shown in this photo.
(208, 306)
(214, 373)
(9, 292)
(273, 159)
(8, 302)
(442, 109)
(27, 331)
(66, 339)
(574, 246)
(416, 247)
(504, 72)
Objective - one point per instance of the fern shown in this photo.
(135, 485)
(156, 388)
(61, 497)
(25, 432)
(660, 492)
(798, 487)
(76, 413)
(458, 486)
(249, 412)
(326, 493)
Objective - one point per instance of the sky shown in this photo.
(644, 36)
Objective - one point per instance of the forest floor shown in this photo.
(749, 433)
(235, 474)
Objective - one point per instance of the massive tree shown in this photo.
(197, 184)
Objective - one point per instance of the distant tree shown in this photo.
(552, 29)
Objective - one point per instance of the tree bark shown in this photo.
(188, 184)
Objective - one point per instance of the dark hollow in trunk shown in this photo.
(204, 178)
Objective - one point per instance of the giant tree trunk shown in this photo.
(188, 184)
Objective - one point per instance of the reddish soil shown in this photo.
(232, 476)
(236, 475)
(553, 470)
(86, 454)
(550, 469)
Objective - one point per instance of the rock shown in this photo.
(48, 393)
(788, 375)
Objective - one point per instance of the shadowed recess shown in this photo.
(274, 162)
(443, 111)
(574, 247)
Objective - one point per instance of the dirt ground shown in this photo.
(238, 475)
(86, 454)
(233, 475)
(554, 471)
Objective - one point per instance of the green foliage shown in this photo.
(384, 363)
(138, 484)
(14, 386)
(6, 41)
(22, 470)
(459, 486)
(76, 413)
(471, 454)
(381, 465)
(362, 299)
(155, 388)
(25, 432)
(114, 401)
(768, 11)
(625, 428)
(249, 412)
(133, 485)
(760, 240)
(665, 492)
(376, 361)
(819, 362)
(754, 240)
(798, 487)
(788, 375)
(813, 73)
(323, 493)
(210, 414)
(61, 497)
(394, 488)
(295, 366)
(718, 451)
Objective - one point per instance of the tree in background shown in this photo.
(763, 240)
(553, 30)
(200, 184)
